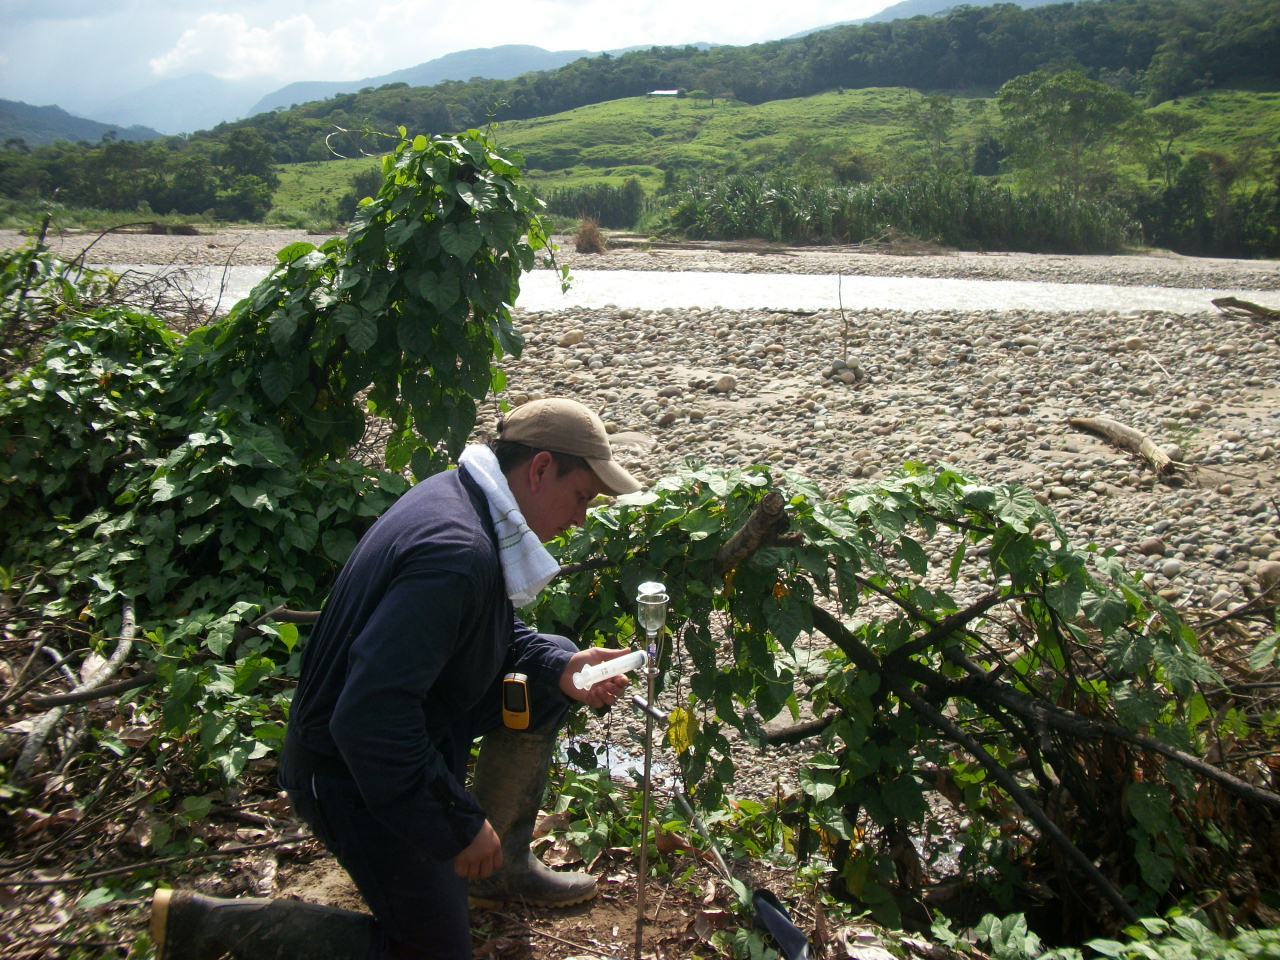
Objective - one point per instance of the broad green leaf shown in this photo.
(1016, 506)
(337, 545)
(461, 240)
(362, 332)
(1065, 595)
(1266, 653)
(914, 555)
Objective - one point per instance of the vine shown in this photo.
(971, 657)
(209, 478)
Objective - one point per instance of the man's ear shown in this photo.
(538, 469)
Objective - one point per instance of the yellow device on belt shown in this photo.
(515, 701)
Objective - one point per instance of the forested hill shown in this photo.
(40, 125)
(1156, 48)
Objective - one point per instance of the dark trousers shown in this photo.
(419, 903)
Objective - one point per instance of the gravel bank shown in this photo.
(986, 393)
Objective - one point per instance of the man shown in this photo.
(402, 672)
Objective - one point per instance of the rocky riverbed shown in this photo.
(844, 398)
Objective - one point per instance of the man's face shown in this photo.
(555, 502)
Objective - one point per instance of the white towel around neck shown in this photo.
(527, 567)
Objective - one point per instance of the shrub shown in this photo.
(589, 239)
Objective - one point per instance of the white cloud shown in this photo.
(227, 46)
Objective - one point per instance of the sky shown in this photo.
(78, 53)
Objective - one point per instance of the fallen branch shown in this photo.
(1127, 438)
(45, 726)
(902, 687)
(1023, 799)
(800, 731)
(1244, 308)
(149, 864)
(97, 693)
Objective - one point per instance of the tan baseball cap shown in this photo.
(560, 425)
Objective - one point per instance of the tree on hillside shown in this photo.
(932, 120)
(1066, 131)
(1166, 128)
(246, 153)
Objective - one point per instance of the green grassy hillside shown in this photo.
(642, 137)
(639, 137)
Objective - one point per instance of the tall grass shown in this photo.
(618, 207)
(966, 212)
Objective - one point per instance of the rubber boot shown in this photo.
(510, 777)
(190, 926)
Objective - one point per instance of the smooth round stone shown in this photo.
(1171, 568)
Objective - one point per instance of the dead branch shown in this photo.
(1256, 604)
(902, 687)
(1023, 799)
(97, 693)
(1245, 309)
(766, 522)
(1127, 438)
(280, 614)
(979, 687)
(150, 864)
(800, 731)
(45, 726)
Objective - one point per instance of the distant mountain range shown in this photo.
(184, 104)
(37, 126)
(492, 63)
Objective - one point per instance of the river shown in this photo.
(636, 289)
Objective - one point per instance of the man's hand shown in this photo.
(481, 857)
(598, 695)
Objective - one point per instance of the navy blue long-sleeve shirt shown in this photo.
(414, 634)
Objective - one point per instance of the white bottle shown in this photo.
(588, 677)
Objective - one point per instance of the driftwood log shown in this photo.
(1244, 308)
(1127, 438)
(45, 726)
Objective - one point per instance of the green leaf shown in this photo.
(302, 532)
(441, 290)
(288, 634)
(282, 327)
(699, 524)
(1016, 506)
(461, 240)
(1107, 612)
(1065, 595)
(337, 545)
(914, 555)
(957, 558)
(1266, 653)
(821, 785)
(362, 332)
(294, 251)
(196, 808)
(414, 334)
